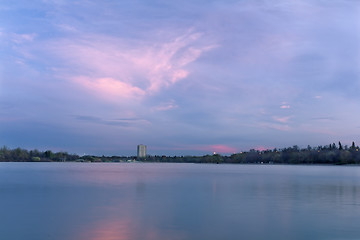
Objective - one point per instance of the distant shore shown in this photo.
(331, 154)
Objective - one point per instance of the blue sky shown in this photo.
(183, 77)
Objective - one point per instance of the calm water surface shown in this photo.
(138, 201)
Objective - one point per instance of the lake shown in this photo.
(141, 201)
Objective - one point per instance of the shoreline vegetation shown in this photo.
(336, 154)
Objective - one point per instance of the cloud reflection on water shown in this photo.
(108, 230)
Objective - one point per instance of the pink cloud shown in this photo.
(282, 119)
(139, 68)
(109, 88)
(285, 106)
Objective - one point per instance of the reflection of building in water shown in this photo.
(141, 151)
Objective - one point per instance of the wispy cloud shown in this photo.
(112, 66)
(166, 106)
(22, 38)
(280, 127)
(282, 119)
(323, 118)
(67, 28)
(122, 122)
(109, 88)
(285, 106)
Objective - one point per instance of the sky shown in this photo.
(182, 77)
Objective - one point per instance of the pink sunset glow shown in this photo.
(218, 148)
(262, 148)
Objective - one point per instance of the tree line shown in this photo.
(328, 154)
(23, 155)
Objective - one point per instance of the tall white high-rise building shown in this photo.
(141, 151)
